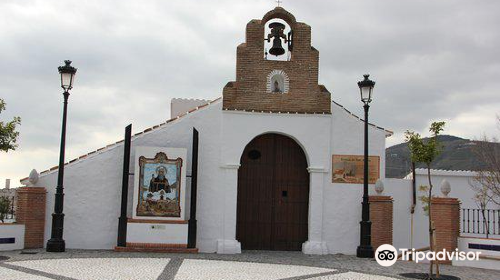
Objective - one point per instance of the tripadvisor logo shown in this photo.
(386, 255)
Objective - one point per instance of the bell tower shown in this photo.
(277, 69)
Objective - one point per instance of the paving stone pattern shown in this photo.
(261, 265)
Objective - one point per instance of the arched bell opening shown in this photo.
(278, 40)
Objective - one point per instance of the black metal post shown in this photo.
(56, 242)
(12, 207)
(413, 186)
(192, 227)
(365, 249)
(122, 221)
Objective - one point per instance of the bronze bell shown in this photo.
(277, 49)
(276, 33)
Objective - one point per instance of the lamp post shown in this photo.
(365, 249)
(56, 242)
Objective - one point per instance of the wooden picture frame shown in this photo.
(349, 169)
(159, 196)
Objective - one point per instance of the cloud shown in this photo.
(431, 60)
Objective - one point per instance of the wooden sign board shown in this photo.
(348, 169)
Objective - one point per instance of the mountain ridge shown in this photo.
(456, 154)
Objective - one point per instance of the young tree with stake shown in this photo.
(426, 151)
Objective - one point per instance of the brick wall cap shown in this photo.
(445, 200)
(381, 198)
(31, 190)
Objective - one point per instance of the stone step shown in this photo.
(156, 248)
(489, 257)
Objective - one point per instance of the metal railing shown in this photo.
(477, 221)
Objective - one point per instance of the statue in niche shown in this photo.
(276, 86)
(277, 82)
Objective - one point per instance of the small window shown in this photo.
(254, 154)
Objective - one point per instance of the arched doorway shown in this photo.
(273, 195)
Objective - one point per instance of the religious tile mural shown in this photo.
(159, 186)
(349, 169)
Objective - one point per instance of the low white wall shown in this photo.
(401, 191)
(463, 245)
(15, 231)
(460, 182)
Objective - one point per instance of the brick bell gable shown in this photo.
(250, 91)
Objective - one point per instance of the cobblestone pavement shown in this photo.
(107, 265)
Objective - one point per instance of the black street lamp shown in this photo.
(56, 242)
(365, 249)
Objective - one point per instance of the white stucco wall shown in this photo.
(15, 231)
(93, 184)
(460, 182)
(157, 233)
(342, 207)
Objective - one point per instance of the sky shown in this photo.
(431, 60)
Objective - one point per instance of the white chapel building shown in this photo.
(278, 163)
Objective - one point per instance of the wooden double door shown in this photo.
(273, 195)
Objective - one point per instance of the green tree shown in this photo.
(426, 152)
(8, 133)
(4, 208)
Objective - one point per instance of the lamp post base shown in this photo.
(56, 245)
(365, 251)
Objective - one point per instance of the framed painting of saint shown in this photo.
(160, 181)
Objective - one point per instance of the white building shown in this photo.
(265, 171)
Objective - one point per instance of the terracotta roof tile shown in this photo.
(349, 112)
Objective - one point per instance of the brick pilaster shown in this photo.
(381, 210)
(445, 213)
(31, 203)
